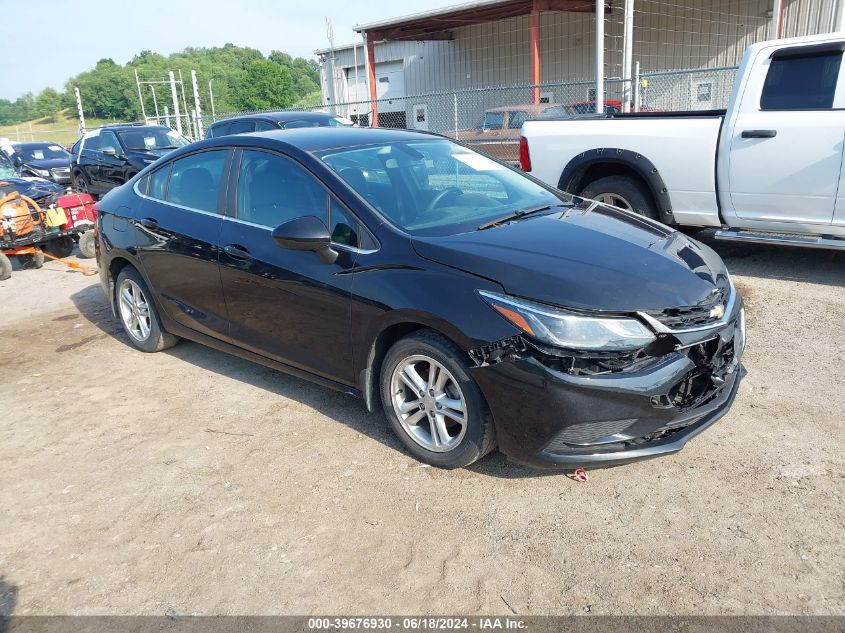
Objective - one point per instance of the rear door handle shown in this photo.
(150, 223)
(759, 133)
(236, 252)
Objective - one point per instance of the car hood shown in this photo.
(151, 154)
(48, 163)
(590, 257)
(36, 188)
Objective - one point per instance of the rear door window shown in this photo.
(196, 180)
(265, 126)
(801, 82)
(242, 127)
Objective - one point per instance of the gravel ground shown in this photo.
(194, 482)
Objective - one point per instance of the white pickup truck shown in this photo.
(768, 169)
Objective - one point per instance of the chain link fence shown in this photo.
(491, 118)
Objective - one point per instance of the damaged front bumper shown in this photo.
(548, 415)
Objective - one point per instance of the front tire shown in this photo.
(432, 404)
(138, 314)
(624, 192)
(5, 267)
(80, 182)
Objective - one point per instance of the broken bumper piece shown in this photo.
(548, 416)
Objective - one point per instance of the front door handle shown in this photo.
(150, 223)
(236, 252)
(759, 133)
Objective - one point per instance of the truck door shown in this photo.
(786, 144)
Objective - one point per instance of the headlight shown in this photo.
(44, 173)
(561, 328)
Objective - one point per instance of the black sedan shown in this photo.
(43, 160)
(266, 121)
(479, 306)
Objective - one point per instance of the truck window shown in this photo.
(801, 82)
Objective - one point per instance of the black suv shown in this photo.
(107, 157)
(267, 121)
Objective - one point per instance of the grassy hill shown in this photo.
(64, 130)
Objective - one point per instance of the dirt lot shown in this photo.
(194, 482)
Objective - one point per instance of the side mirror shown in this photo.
(109, 151)
(308, 233)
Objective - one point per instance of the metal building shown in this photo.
(486, 45)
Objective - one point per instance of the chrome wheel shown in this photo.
(429, 404)
(134, 310)
(614, 200)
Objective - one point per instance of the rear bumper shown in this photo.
(546, 418)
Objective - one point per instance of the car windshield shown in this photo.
(40, 152)
(144, 140)
(436, 187)
(6, 169)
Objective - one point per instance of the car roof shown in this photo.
(33, 144)
(527, 107)
(283, 117)
(315, 139)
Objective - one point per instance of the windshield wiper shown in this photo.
(516, 215)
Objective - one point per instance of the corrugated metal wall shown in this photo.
(668, 34)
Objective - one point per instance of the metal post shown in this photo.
(534, 45)
(175, 103)
(455, 111)
(777, 19)
(167, 116)
(140, 97)
(79, 110)
(637, 87)
(184, 102)
(371, 77)
(211, 99)
(357, 95)
(197, 103)
(155, 103)
(627, 55)
(599, 56)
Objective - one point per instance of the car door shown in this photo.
(88, 160)
(179, 226)
(284, 304)
(786, 143)
(111, 166)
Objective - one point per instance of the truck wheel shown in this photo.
(35, 260)
(86, 245)
(60, 247)
(5, 267)
(624, 192)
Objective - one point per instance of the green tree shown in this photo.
(265, 85)
(48, 103)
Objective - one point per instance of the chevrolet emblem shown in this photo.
(717, 312)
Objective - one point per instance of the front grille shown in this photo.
(698, 315)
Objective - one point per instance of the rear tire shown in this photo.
(60, 247)
(137, 313)
(622, 191)
(87, 247)
(5, 267)
(445, 423)
(35, 260)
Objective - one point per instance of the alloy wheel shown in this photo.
(134, 310)
(615, 200)
(429, 403)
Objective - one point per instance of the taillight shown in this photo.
(524, 156)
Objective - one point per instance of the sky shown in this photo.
(73, 34)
